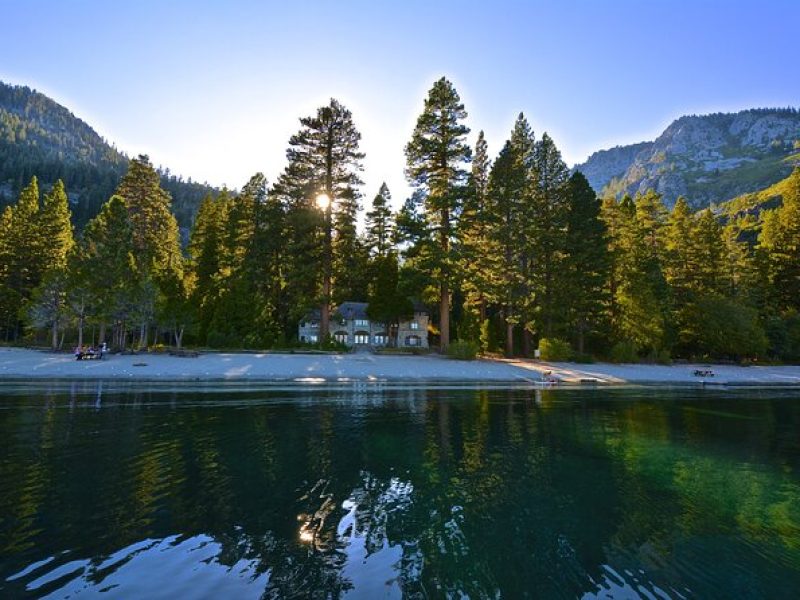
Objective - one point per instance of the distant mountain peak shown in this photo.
(705, 158)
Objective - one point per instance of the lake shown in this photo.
(371, 491)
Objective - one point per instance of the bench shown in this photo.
(703, 373)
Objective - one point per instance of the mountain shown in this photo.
(40, 137)
(707, 159)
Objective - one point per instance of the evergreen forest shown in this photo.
(509, 253)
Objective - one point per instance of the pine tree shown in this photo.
(386, 303)
(586, 261)
(740, 275)
(476, 256)
(643, 294)
(546, 205)
(510, 176)
(110, 268)
(709, 245)
(412, 236)
(48, 305)
(681, 253)
(265, 263)
(380, 223)
(205, 254)
(23, 259)
(436, 157)
(780, 237)
(324, 157)
(55, 228)
(156, 240)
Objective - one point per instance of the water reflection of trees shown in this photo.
(480, 492)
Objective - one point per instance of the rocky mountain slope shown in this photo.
(706, 159)
(40, 137)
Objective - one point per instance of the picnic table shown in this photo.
(703, 373)
(90, 354)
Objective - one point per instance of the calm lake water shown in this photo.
(371, 492)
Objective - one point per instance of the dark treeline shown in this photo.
(510, 254)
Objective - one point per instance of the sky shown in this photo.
(214, 90)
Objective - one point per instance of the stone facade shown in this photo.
(350, 325)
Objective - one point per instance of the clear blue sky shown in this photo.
(214, 89)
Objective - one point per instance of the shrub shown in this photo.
(554, 349)
(218, 339)
(721, 327)
(462, 350)
(624, 352)
(584, 359)
(660, 357)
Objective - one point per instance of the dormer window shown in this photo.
(362, 323)
(413, 325)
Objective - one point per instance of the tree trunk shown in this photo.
(509, 338)
(179, 337)
(580, 338)
(143, 336)
(526, 343)
(444, 318)
(102, 336)
(80, 330)
(54, 340)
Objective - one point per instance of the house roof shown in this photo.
(353, 310)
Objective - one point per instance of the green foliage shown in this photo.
(722, 328)
(554, 349)
(487, 339)
(386, 303)
(520, 247)
(783, 333)
(587, 263)
(39, 137)
(379, 223)
(435, 161)
(624, 351)
(780, 238)
(462, 350)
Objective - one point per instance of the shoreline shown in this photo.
(24, 365)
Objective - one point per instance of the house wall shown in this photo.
(308, 331)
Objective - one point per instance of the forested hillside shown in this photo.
(705, 159)
(40, 137)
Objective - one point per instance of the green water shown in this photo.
(370, 492)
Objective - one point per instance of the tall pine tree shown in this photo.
(379, 223)
(436, 158)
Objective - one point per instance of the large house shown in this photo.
(350, 325)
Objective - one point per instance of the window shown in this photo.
(341, 337)
(314, 324)
(380, 339)
(361, 338)
(413, 340)
(413, 325)
(362, 323)
(313, 338)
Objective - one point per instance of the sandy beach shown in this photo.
(21, 364)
